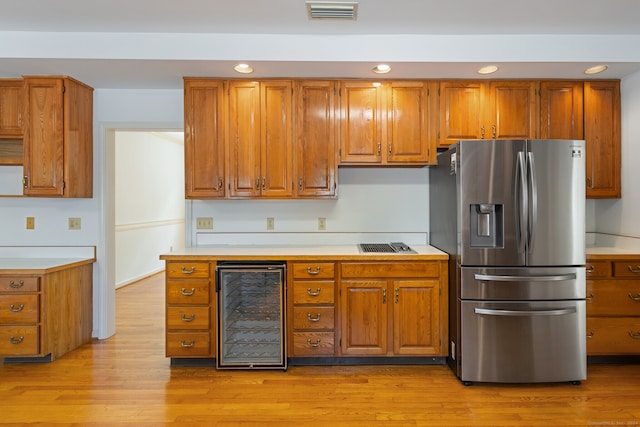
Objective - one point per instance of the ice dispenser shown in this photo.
(486, 225)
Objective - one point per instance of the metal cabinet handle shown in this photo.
(313, 319)
(313, 272)
(13, 340)
(188, 319)
(257, 183)
(590, 335)
(397, 300)
(300, 184)
(482, 132)
(634, 270)
(313, 294)
(635, 298)
(590, 297)
(390, 151)
(590, 268)
(379, 152)
(313, 344)
(493, 131)
(187, 293)
(634, 336)
(189, 271)
(15, 309)
(384, 296)
(15, 285)
(220, 183)
(263, 185)
(189, 345)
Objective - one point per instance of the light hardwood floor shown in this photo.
(127, 380)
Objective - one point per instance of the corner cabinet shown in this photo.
(386, 123)
(58, 138)
(393, 308)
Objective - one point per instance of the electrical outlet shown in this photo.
(31, 223)
(270, 223)
(75, 223)
(322, 224)
(204, 223)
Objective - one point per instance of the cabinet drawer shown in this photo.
(190, 317)
(627, 268)
(19, 340)
(313, 270)
(19, 284)
(613, 336)
(390, 269)
(188, 292)
(19, 309)
(313, 318)
(187, 270)
(598, 269)
(314, 292)
(188, 344)
(313, 344)
(613, 297)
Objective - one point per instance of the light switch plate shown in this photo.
(75, 223)
(204, 223)
(31, 223)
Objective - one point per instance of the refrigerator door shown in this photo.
(556, 172)
(492, 208)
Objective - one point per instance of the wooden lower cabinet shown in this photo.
(44, 316)
(393, 308)
(613, 307)
(190, 309)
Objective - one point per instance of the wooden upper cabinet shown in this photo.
(315, 136)
(602, 136)
(204, 144)
(58, 138)
(561, 110)
(385, 123)
(487, 110)
(260, 139)
(11, 108)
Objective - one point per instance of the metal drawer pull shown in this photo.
(16, 341)
(189, 271)
(560, 311)
(15, 309)
(590, 335)
(636, 298)
(634, 270)
(497, 278)
(590, 297)
(313, 272)
(313, 319)
(313, 344)
(634, 336)
(590, 268)
(186, 293)
(185, 345)
(313, 294)
(188, 319)
(15, 285)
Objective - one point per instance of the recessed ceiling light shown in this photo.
(596, 69)
(243, 68)
(489, 69)
(381, 69)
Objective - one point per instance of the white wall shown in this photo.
(149, 205)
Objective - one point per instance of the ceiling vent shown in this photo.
(332, 10)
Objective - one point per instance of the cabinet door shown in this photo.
(244, 139)
(561, 110)
(204, 139)
(44, 138)
(11, 107)
(513, 112)
(408, 123)
(602, 136)
(416, 317)
(276, 146)
(315, 139)
(364, 317)
(361, 126)
(461, 109)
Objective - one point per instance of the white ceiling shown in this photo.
(154, 43)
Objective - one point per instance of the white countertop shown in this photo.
(612, 245)
(43, 259)
(39, 264)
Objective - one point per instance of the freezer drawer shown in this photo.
(522, 342)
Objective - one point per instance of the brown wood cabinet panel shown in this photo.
(19, 309)
(561, 110)
(364, 317)
(204, 138)
(598, 269)
(188, 344)
(513, 112)
(390, 270)
(627, 269)
(313, 270)
(11, 108)
(408, 122)
(313, 344)
(362, 124)
(187, 269)
(613, 297)
(188, 317)
(461, 111)
(181, 292)
(613, 335)
(313, 292)
(19, 340)
(602, 136)
(313, 318)
(416, 313)
(19, 284)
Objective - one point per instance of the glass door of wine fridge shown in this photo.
(251, 321)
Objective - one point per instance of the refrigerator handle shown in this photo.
(521, 203)
(500, 278)
(556, 312)
(533, 223)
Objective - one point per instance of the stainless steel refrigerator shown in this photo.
(511, 214)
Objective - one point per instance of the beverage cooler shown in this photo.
(251, 315)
